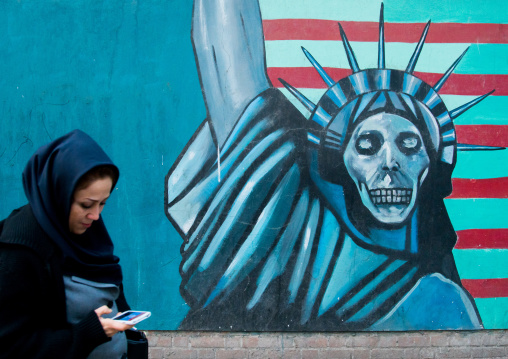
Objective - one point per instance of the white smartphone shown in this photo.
(132, 317)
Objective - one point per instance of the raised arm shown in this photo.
(228, 44)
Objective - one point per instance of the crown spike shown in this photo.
(381, 43)
(349, 51)
(326, 78)
(414, 59)
(460, 110)
(299, 96)
(467, 147)
(448, 72)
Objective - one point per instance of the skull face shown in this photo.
(387, 160)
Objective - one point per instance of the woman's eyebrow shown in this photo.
(95, 200)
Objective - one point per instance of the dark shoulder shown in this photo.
(21, 229)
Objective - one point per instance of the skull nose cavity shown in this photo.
(391, 195)
(389, 162)
(391, 165)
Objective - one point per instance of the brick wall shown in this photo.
(424, 345)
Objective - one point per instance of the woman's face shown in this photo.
(88, 203)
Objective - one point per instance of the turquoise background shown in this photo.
(124, 72)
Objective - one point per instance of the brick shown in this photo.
(387, 341)
(156, 353)
(361, 353)
(413, 340)
(502, 338)
(269, 342)
(233, 342)
(288, 341)
(428, 353)
(231, 354)
(291, 354)
(476, 338)
(205, 353)
(488, 352)
(179, 353)
(438, 340)
(340, 341)
(454, 352)
(250, 341)
(421, 340)
(203, 341)
(181, 341)
(364, 340)
(165, 342)
(382, 353)
(265, 354)
(311, 342)
(495, 339)
(405, 341)
(412, 353)
(459, 340)
(309, 353)
(335, 354)
(152, 340)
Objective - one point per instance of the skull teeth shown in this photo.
(391, 195)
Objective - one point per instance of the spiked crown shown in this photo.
(381, 89)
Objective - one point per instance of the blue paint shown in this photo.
(327, 242)
(305, 249)
(280, 256)
(423, 307)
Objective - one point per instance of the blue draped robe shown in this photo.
(264, 250)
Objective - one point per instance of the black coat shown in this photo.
(33, 319)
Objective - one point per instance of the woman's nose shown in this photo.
(94, 213)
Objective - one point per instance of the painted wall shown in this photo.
(126, 74)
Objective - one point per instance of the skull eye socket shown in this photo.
(409, 143)
(368, 144)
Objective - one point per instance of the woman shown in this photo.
(59, 278)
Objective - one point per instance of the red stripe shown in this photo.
(480, 188)
(457, 84)
(313, 29)
(482, 239)
(486, 288)
(487, 135)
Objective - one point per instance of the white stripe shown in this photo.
(435, 58)
(320, 9)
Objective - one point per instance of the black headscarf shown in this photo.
(49, 180)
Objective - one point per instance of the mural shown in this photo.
(336, 222)
(271, 222)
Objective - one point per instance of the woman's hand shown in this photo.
(110, 326)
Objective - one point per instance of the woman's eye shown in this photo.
(86, 206)
(409, 143)
(368, 144)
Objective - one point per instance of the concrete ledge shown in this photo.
(377, 345)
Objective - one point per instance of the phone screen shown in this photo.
(129, 316)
